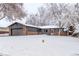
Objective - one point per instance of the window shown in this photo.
(45, 30)
(61, 30)
(56, 30)
(39, 30)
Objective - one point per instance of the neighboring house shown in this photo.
(18, 28)
(4, 26)
(4, 30)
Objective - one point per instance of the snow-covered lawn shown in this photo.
(33, 45)
(6, 34)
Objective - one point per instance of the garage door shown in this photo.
(17, 31)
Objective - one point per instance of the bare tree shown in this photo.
(12, 11)
(61, 14)
(33, 19)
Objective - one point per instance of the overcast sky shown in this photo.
(31, 8)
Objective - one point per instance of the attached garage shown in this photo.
(22, 29)
(16, 31)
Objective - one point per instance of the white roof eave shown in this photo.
(47, 27)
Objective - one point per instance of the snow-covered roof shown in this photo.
(42, 27)
(4, 23)
(50, 26)
(23, 24)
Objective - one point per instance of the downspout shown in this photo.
(59, 31)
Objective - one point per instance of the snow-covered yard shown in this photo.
(33, 45)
